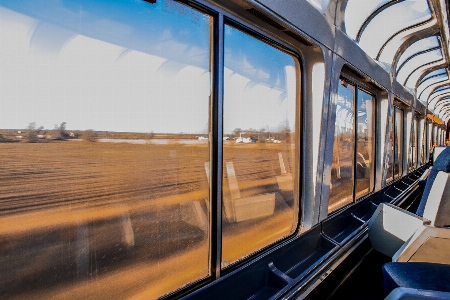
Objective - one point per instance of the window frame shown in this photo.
(283, 46)
(347, 77)
(395, 146)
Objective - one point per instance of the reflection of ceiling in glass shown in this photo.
(390, 21)
(417, 47)
(321, 5)
(417, 61)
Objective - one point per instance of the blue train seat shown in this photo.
(417, 275)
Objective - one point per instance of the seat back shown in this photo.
(437, 206)
(442, 163)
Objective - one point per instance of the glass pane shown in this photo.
(365, 107)
(426, 87)
(419, 46)
(416, 143)
(435, 98)
(260, 145)
(390, 152)
(341, 188)
(411, 147)
(398, 142)
(390, 21)
(104, 192)
(413, 78)
(416, 62)
(357, 12)
(430, 139)
(438, 72)
(441, 103)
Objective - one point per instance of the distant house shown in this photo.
(18, 137)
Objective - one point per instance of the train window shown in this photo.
(420, 142)
(394, 162)
(425, 142)
(390, 154)
(429, 137)
(343, 148)
(365, 136)
(352, 173)
(398, 142)
(111, 201)
(260, 145)
(411, 147)
(415, 143)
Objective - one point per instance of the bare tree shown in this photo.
(33, 132)
(90, 135)
(62, 131)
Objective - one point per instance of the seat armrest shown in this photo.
(390, 227)
(427, 244)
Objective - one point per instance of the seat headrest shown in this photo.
(442, 162)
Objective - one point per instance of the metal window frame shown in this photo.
(360, 87)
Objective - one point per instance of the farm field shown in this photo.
(122, 219)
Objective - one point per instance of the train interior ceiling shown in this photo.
(224, 149)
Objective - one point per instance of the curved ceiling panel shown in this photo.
(357, 12)
(435, 97)
(413, 79)
(415, 62)
(419, 46)
(390, 21)
(426, 88)
(434, 73)
(441, 103)
(445, 114)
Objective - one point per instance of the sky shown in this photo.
(131, 66)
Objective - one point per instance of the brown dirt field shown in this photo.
(65, 208)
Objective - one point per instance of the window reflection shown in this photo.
(390, 153)
(398, 142)
(103, 130)
(343, 148)
(260, 148)
(352, 170)
(364, 146)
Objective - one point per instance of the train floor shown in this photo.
(366, 281)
